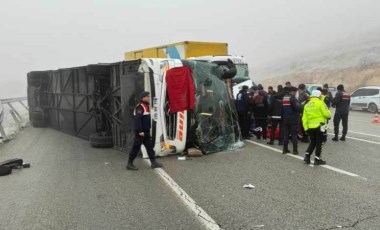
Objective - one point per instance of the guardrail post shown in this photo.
(22, 103)
(13, 110)
(16, 116)
(2, 132)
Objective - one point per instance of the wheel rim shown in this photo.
(372, 108)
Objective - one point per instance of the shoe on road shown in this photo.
(335, 139)
(131, 167)
(156, 165)
(319, 161)
(307, 158)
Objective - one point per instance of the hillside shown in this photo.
(354, 66)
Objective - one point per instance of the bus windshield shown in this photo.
(242, 73)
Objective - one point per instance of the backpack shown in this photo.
(4, 170)
(7, 166)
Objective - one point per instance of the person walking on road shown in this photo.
(290, 110)
(341, 102)
(314, 119)
(142, 127)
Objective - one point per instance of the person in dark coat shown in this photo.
(142, 125)
(341, 102)
(242, 107)
(303, 98)
(260, 112)
(290, 110)
(327, 95)
(275, 114)
(271, 92)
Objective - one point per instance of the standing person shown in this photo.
(271, 92)
(242, 107)
(314, 117)
(275, 113)
(341, 102)
(303, 98)
(328, 96)
(142, 127)
(260, 112)
(290, 108)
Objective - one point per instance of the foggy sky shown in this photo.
(52, 34)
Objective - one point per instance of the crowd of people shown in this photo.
(291, 114)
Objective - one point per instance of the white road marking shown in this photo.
(366, 134)
(359, 139)
(364, 121)
(301, 158)
(202, 216)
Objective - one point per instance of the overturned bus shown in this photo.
(190, 104)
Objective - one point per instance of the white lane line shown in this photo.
(364, 121)
(366, 134)
(359, 139)
(201, 214)
(301, 158)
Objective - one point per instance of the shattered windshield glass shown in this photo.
(242, 73)
(215, 123)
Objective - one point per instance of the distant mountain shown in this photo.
(355, 64)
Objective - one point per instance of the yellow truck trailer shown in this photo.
(180, 50)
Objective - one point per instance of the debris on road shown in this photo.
(249, 186)
(193, 152)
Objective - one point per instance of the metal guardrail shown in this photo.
(15, 114)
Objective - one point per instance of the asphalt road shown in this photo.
(73, 186)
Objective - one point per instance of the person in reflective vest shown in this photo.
(314, 119)
(142, 125)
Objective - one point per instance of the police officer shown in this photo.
(290, 109)
(242, 107)
(341, 102)
(315, 115)
(142, 133)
